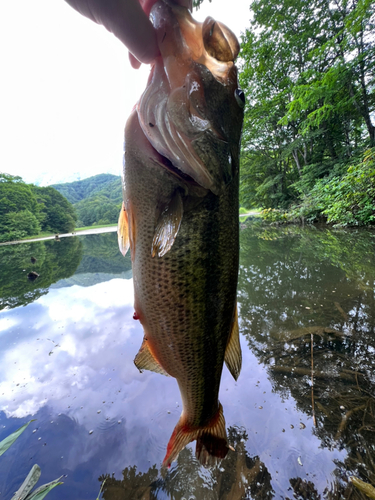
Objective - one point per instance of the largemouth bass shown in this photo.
(180, 219)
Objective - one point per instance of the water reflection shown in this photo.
(305, 295)
(52, 260)
(307, 308)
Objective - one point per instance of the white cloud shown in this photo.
(67, 89)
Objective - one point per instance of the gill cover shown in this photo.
(185, 111)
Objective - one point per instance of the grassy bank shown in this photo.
(244, 214)
(86, 228)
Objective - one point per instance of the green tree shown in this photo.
(308, 72)
(26, 209)
(58, 214)
(23, 221)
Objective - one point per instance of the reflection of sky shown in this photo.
(67, 360)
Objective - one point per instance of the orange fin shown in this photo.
(144, 360)
(233, 354)
(212, 443)
(168, 225)
(123, 231)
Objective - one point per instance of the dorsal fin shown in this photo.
(167, 226)
(233, 355)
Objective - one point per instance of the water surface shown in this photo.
(300, 417)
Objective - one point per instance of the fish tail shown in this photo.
(211, 445)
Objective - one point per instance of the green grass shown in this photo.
(244, 210)
(94, 227)
(49, 234)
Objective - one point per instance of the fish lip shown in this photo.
(175, 112)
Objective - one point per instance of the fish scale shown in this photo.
(183, 235)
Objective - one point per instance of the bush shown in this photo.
(274, 215)
(349, 199)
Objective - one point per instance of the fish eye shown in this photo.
(240, 97)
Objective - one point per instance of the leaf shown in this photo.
(42, 491)
(101, 488)
(366, 488)
(31, 479)
(9, 440)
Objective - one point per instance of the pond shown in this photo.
(301, 417)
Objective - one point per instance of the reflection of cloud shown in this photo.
(72, 352)
(67, 360)
(66, 347)
(6, 323)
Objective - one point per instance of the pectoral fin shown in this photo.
(167, 226)
(123, 231)
(233, 355)
(144, 360)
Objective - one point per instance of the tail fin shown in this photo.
(211, 445)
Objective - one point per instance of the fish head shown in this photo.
(192, 109)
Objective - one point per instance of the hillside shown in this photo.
(97, 200)
(80, 190)
(27, 210)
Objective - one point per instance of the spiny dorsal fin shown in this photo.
(233, 355)
(144, 360)
(167, 226)
(123, 231)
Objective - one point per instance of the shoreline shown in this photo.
(110, 229)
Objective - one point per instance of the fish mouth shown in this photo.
(193, 187)
(173, 111)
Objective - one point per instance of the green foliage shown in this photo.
(308, 72)
(80, 190)
(25, 209)
(346, 199)
(16, 196)
(9, 440)
(97, 199)
(25, 490)
(349, 199)
(58, 215)
(273, 215)
(24, 222)
(102, 207)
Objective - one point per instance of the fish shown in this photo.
(179, 219)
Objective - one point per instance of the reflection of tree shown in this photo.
(55, 260)
(237, 477)
(307, 302)
(101, 254)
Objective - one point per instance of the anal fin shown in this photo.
(123, 231)
(212, 443)
(144, 360)
(167, 226)
(233, 354)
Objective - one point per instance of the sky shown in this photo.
(67, 88)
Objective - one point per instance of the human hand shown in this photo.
(128, 20)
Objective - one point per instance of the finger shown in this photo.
(127, 21)
(134, 61)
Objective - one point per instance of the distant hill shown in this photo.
(97, 200)
(79, 190)
(27, 210)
